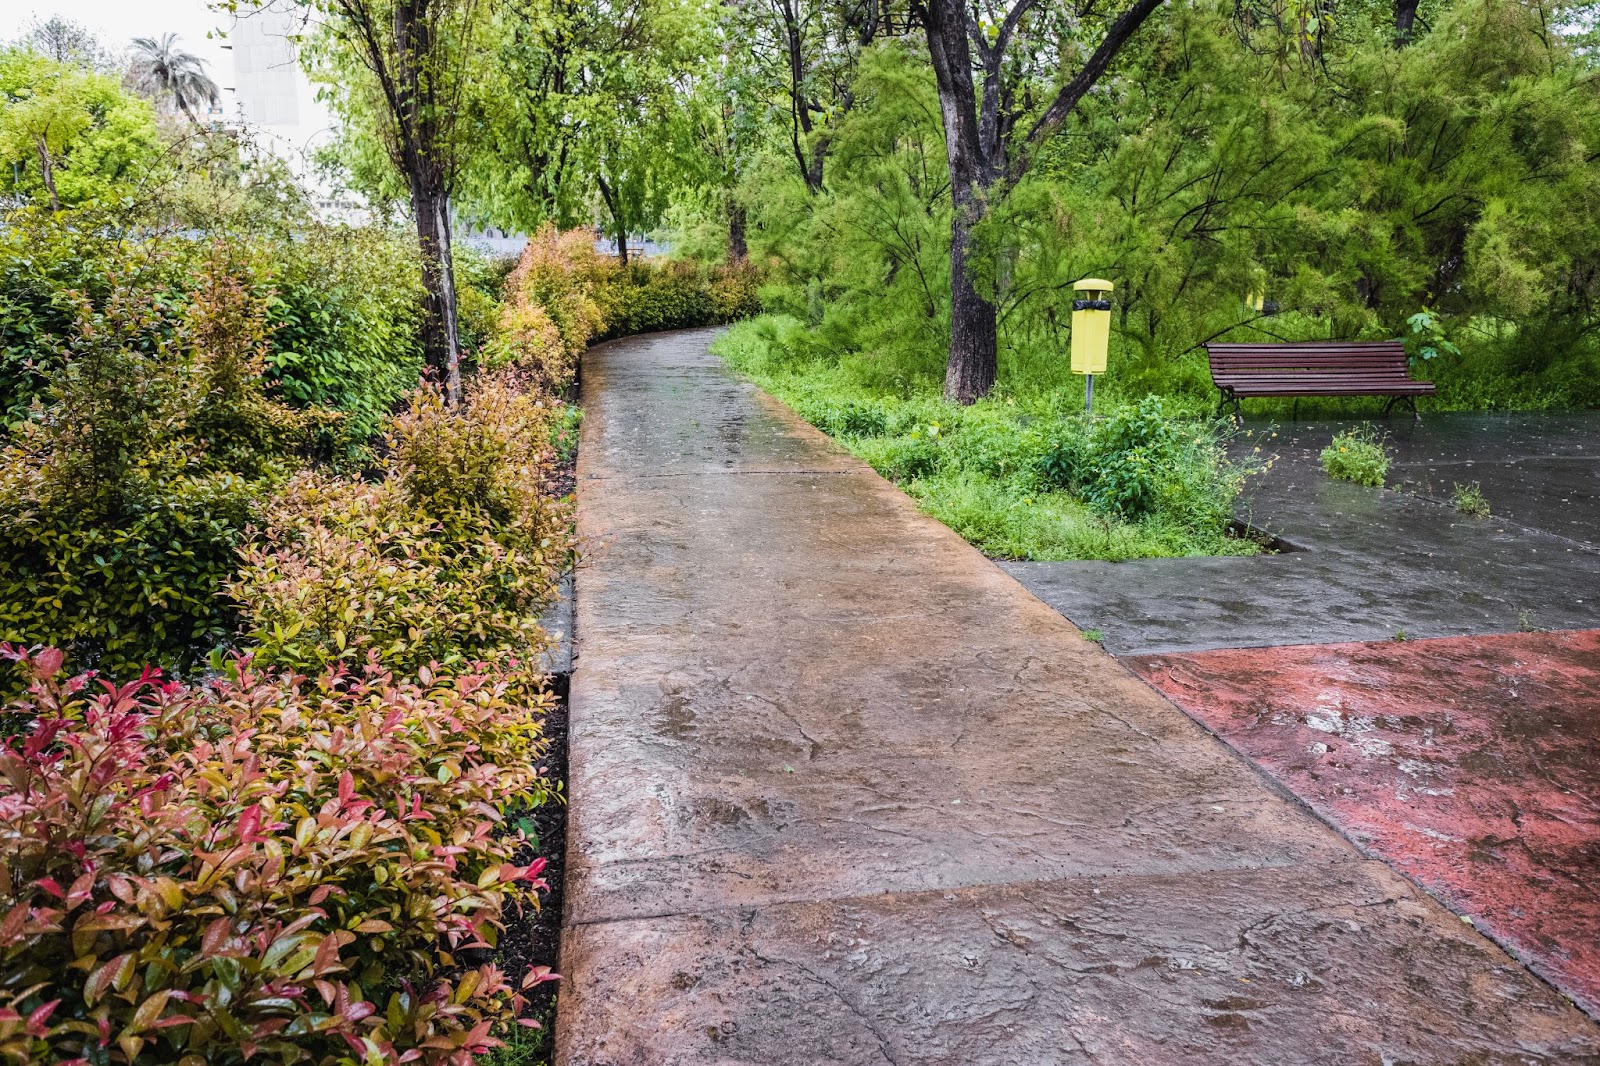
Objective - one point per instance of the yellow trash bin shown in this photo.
(1091, 332)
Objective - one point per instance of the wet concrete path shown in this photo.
(842, 791)
(1377, 563)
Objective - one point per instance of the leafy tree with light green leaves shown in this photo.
(591, 112)
(69, 134)
(404, 72)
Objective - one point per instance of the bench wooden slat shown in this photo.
(1319, 359)
(1324, 379)
(1338, 389)
(1315, 368)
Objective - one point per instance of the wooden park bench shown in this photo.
(1314, 368)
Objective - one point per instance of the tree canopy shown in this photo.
(922, 181)
(68, 133)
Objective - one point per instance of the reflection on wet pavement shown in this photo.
(1380, 562)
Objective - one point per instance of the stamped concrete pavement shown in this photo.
(842, 791)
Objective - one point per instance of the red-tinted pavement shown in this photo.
(1470, 764)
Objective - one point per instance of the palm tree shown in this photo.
(164, 71)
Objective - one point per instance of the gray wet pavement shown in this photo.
(1377, 562)
(842, 791)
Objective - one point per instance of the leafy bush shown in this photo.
(649, 297)
(343, 321)
(118, 523)
(646, 299)
(1138, 463)
(1357, 455)
(450, 557)
(266, 866)
(53, 266)
(130, 588)
(346, 328)
(562, 295)
(1129, 453)
(548, 313)
(236, 426)
(479, 281)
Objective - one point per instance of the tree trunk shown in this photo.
(1405, 17)
(974, 344)
(800, 127)
(614, 206)
(441, 345)
(974, 334)
(738, 248)
(47, 172)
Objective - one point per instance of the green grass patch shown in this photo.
(1020, 476)
(1469, 500)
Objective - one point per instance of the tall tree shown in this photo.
(69, 42)
(595, 111)
(42, 117)
(69, 133)
(987, 153)
(405, 67)
(167, 73)
(813, 49)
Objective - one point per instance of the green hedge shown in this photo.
(651, 297)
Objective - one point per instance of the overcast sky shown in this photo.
(116, 22)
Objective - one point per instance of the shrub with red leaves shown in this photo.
(266, 865)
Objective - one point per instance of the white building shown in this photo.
(271, 99)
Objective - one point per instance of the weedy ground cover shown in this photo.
(1360, 455)
(1021, 476)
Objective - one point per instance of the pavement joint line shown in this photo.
(708, 473)
(976, 887)
(1582, 546)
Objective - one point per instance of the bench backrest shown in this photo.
(1372, 359)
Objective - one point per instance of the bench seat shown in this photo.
(1314, 369)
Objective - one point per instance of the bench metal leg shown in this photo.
(1228, 399)
(1409, 401)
